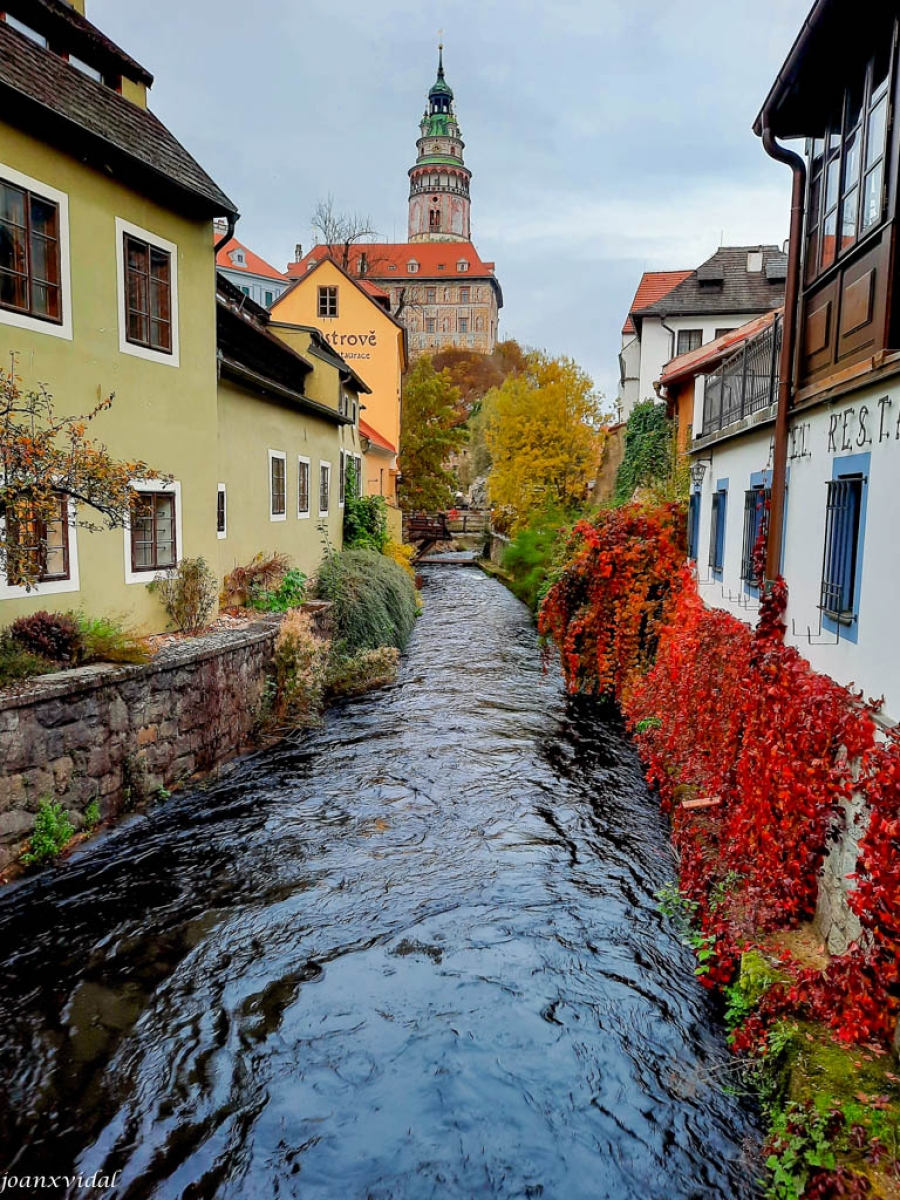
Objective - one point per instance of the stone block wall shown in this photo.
(118, 734)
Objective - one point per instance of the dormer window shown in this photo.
(462, 265)
(238, 258)
(15, 23)
(85, 68)
(440, 266)
(412, 266)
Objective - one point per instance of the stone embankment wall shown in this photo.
(118, 734)
(499, 542)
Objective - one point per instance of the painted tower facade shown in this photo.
(439, 203)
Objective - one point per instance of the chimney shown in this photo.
(298, 253)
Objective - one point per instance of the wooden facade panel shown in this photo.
(856, 307)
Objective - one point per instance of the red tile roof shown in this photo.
(375, 437)
(686, 365)
(653, 286)
(253, 264)
(373, 289)
(386, 260)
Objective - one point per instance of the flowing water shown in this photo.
(413, 954)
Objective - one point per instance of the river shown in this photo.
(414, 953)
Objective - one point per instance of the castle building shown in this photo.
(436, 283)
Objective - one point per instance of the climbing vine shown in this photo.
(774, 751)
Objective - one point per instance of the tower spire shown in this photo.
(439, 181)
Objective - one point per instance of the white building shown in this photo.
(815, 460)
(675, 312)
(253, 275)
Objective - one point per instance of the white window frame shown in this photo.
(154, 485)
(50, 587)
(323, 512)
(61, 329)
(222, 490)
(272, 454)
(304, 516)
(153, 239)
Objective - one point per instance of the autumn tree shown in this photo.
(51, 471)
(431, 433)
(542, 429)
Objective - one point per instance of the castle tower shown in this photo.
(439, 201)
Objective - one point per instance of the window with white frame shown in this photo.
(221, 512)
(147, 280)
(34, 255)
(302, 487)
(342, 478)
(324, 487)
(51, 545)
(277, 485)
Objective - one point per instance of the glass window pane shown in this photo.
(881, 70)
(848, 218)
(832, 173)
(829, 238)
(137, 255)
(12, 204)
(160, 335)
(851, 158)
(138, 327)
(159, 265)
(45, 300)
(876, 131)
(854, 103)
(13, 290)
(43, 217)
(159, 300)
(44, 260)
(137, 292)
(871, 204)
(13, 255)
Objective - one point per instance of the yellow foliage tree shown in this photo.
(543, 430)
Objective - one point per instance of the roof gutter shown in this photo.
(789, 341)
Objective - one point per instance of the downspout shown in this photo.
(671, 332)
(788, 344)
(229, 233)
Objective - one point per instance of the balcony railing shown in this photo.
(744, 383)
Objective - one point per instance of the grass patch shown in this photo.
(52, 831)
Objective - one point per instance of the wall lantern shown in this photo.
(698, 470)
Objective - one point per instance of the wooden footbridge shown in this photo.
(426, 531)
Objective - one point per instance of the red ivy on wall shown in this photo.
(720, 710)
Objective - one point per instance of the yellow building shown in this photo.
(354, 321)
(288, 412)
(106, 286)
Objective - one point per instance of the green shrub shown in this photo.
(352, 675)
(53, 636)
(289, 593)
(365, 517)
(373, 598)
(105, 639)
(52, 830)
(188, 593)
(92, 815)
(17, 663)
(532, 556)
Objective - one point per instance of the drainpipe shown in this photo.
(671, 332)
(229, 233)
(788, 343)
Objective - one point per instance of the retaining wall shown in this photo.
(118, 734)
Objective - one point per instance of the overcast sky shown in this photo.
(605, 137)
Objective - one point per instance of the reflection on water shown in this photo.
(413, 954)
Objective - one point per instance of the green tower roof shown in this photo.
(440, 87)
